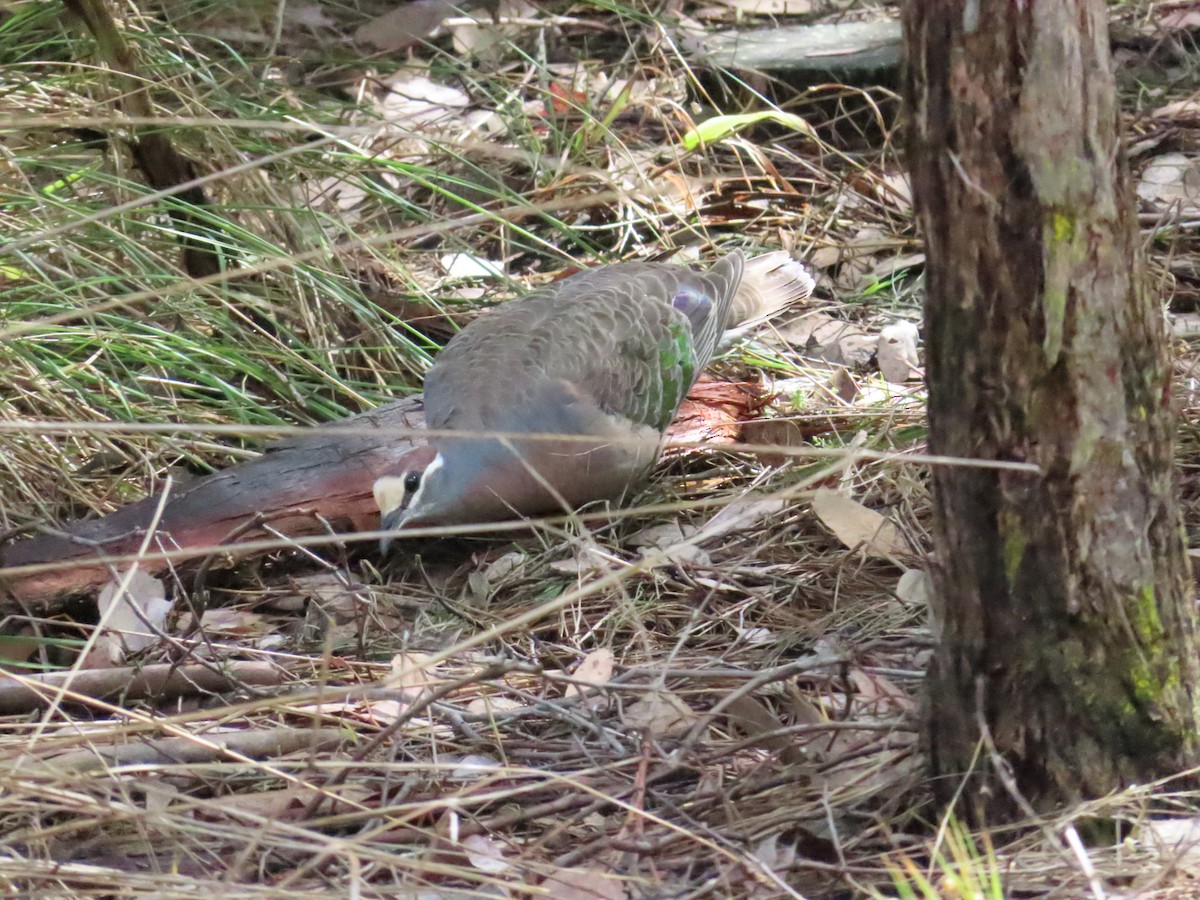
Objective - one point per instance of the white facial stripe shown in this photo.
(415, 500)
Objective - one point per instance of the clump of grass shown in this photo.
(962, 866)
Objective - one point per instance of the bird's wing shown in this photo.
(632, 338)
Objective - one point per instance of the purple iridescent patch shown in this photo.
(693, 304)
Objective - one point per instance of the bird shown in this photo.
(561, 397)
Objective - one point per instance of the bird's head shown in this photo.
(415, 490)
(464, 480)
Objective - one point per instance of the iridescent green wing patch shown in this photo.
(677, 369)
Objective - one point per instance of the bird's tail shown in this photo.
(770, 283)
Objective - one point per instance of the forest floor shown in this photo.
(713, 692)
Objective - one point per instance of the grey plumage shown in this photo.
(601, 331)
(607, 355)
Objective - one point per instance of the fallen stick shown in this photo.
(154, 682)
(204, 748)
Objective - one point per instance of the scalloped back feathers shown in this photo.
(602, 360)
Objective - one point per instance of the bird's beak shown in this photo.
(391, 521)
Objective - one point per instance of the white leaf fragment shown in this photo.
(129, 614)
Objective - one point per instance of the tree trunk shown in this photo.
(1066, 618)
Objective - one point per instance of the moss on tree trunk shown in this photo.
(1066, 610)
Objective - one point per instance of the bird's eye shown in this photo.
(412, 481)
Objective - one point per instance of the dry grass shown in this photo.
(417, 732)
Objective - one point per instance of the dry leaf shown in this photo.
(884, 772)
(340, 598)
(1185, 324)
(376, 713)
(1181, 19)
(895, 188)
(776, 858)
(915, 587)
(1175, 839)
(485, 39)
(17, 648)
(782, 432)
(412, 673)
(284, 805)
(889, 266)
(583, 884)
(405, 25)
(478, 588)
(843, 385)
(742, 513)
(1180, 109)
(464, 265)
(1172, 179)
(879, 695)
(804, 711)
(308, 15)
(860, 254)
(484, 853)
(755, 636)
(825, 651)
(334, 192)
(857, 527)
(769, 7)
(472, 767)
(667, 537)
(596, 668)
(660, 714)
(503, 566)
(123, 612)
(819, 336)
(824, 257)
(490, 704)
(752, 717)
(660, 536)
(159, 796)
(233, 622)
(285, 603)
(898, 355)
(589, 559)
(415, 100)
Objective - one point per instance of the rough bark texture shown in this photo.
(1066, 616)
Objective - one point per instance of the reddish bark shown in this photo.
(294, 485)
(301, 486)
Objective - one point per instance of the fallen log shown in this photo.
(299, 486)
(850, 52)
(318, 483)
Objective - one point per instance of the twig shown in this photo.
(268, 744)
(19, 694)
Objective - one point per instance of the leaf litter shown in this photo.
(434, 742)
